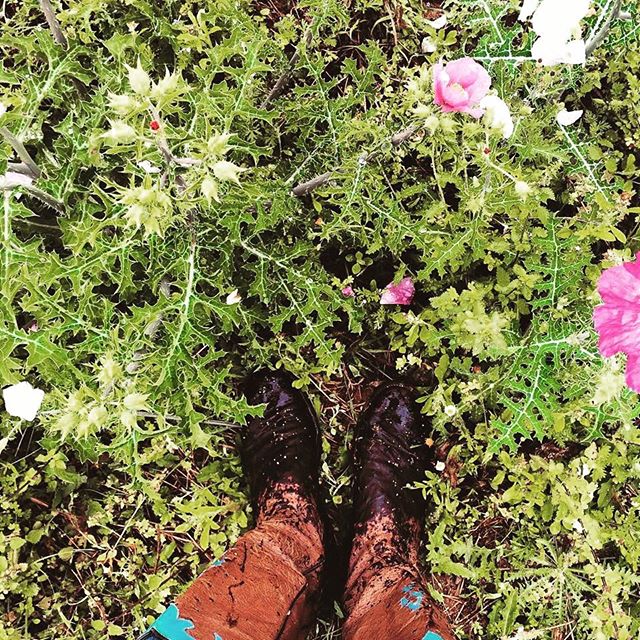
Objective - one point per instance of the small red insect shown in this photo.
(487, 151)
(155, 125)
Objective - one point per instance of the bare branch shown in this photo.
(45, 198)
(53, 23)
(279, 86)
(305, 188)
(402, 136)
(20, 167)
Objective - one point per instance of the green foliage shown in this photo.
(161, 255)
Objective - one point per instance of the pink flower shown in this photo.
(348, 292)
(460, 85)
(617, 321)
(401, 293)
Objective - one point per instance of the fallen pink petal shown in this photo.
(617, 320)
(460, 86)
(401, 293)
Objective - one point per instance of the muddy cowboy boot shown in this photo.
(386, 596)
(268, 585)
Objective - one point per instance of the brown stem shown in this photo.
(54, 25)
(305, 188)
(279, 86)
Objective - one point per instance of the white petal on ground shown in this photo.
(440, 466)
(234, 297)
(560, 21)
(438, 23)
(552, 52)
(22, 400)
(147, 167)
(567, 118)
(428, 45)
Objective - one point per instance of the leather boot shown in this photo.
(389, 454)
(283, 445)
(386, 595)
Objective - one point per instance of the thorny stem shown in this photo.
(20, 149)
(278, 87)
(54, 24)
(598, 38)
(305, 188)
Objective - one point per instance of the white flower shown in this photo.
(567, 118)
(450, 410)
(234, 297)
(557, 25)
(428, 45)
(438, 23)
(3, 109)
(577, 525)
(22, 400)
(440, 466)
(13, 179)
(139, 79)
(148, 167)
(528, 8)
(497, 115)
(551, 52)
(560, 21)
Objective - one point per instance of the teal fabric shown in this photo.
(412, 600)
(432, 635)
(172, 626)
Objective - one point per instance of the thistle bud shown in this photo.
(224, 170)
(139, 79)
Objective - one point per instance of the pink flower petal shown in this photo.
(632, 376)
(618, 328)
(460, 86)
(617, 321)
(622, 283)
(348, 292)
(401, 293)
(455, 96)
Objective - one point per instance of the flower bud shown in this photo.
(217, 145)
(209, 188)
(224, 170)
(139, 79)
(120, 133)
(166, 86)
(122, 104)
